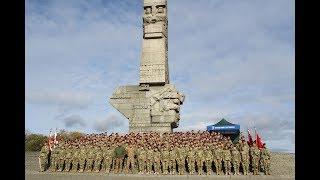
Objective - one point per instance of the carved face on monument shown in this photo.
(155, 18)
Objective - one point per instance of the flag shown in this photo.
(50, 141)
(55, 141)
(250, 141)
(258, 140)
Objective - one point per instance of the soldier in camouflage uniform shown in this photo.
(236, 158)
(265, 160)
(61, 155)
(245, 158)
(89, 158)
(44, 157)
(82, 158)
(208, 159)
(98, 158)
(182, 155)
(75, 158)
(173, 157)
(165, 154)
(54, 160)
(219, 156)
(255, 157)
(149, 160)
(130, 160)
(141, 156)
(107, 158)
(68, 158)
(157, 161)
(191, 159)
(227, 160)
(200, 159)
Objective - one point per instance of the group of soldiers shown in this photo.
(154, 153)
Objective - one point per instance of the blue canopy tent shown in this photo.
(226, 128)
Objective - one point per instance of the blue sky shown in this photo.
(232, 59)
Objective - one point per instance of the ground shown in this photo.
(282, 167)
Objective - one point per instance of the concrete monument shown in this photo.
(154, 104)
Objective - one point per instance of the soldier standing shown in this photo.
(54, 159)
(191, 160)
(265, 160)
(156, 162)
(44, 157)
(130, 160)
(98, 158)
(149, 160)
(227, 160)
(219, 155)
(165, 159)
(200, 159)
(108, 154)
(68, 158)
(173, 157)
(236, 158)
(82, 158)
(245, 158)
(208, 159)
(182, 154)
(75, 158)
(61, 155)
(141, 156)
(255, 157)
(89, 158)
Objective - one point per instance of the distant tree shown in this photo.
(34, 142)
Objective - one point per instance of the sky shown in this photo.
(232, 59)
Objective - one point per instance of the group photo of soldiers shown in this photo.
(177, 153)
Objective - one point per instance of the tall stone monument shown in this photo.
(154, 104)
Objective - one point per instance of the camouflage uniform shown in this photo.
(208, 160)
(182, 154)
(98, 158)
(173, 157)
(218, 163)
(61, 156)
(236, 158)
(82, 158)
(149, 160)
(265, 161)
(227, 161)
(68, 158)
(200, 159)
(107, 158)
(141, 154)
(89, 158)
(255, 157)
(130, 160)
(54, 159)
(156, 161)
(43, 157)
(165, 159)
(191, 160)
(245, 158)
(75, 159)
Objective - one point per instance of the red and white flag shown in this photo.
(258, 140)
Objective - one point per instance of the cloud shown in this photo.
(64, 99)
(110, 123)
(73, 121)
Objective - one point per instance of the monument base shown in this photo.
(156, 127)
